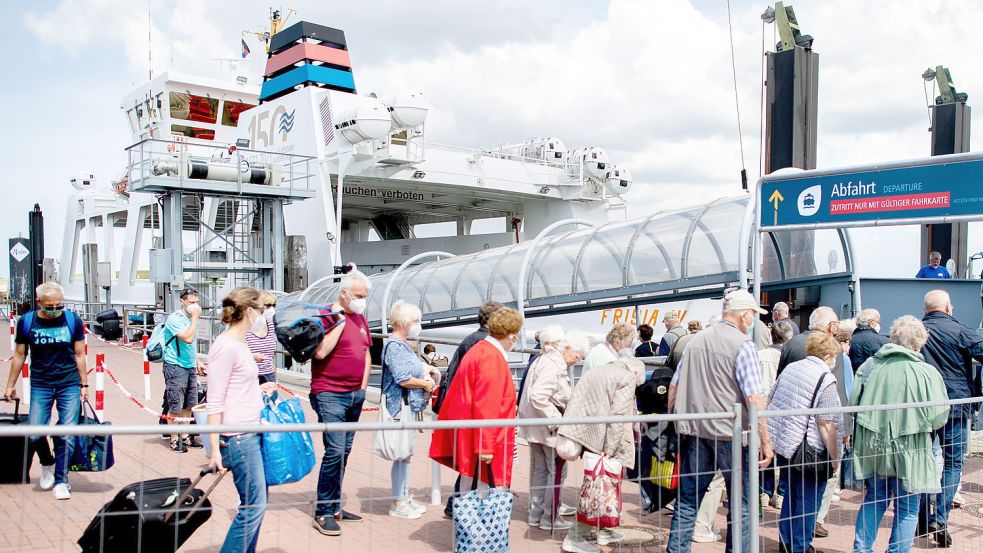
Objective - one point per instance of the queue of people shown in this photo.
(831, 364)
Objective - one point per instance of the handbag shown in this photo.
(287, 456)
(481, 524)
(811, 463)
(91, 453)
(600, 494)
(665, 473)
(396, 444)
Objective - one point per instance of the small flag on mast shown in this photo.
(245, 48)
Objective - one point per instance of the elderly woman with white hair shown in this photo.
(893, 449)
(548, 389)
(404, 382)
(617, 343)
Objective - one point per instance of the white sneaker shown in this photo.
(47, 477)
(404, 510)
(705, 536)
(566, 510)
(607, 535)
(571, 546)
(835, 497)
(958, 501)
(63, 491)
(776, 502)
(671, 506)
(558, 524)
(417, 506)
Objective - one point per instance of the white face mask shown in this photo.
(259, 322)
(358, 305)
(268, 314)
(414, 331)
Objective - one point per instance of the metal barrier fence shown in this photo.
(39, 522)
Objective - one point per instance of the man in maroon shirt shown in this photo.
(339, 376)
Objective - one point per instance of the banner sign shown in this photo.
(853, 198)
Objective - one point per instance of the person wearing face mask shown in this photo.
(619, 338)
(805, 384)
(181, 367)
(718, 365)
(482, 389)
(55, 339)
(867, 339)
(546, 395)
(606, 391)
(339, 376)
(234, 398)
(261, 339)
(404, 382)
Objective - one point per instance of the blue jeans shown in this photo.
(880, 491)
(797, 522)
(400, 474)
(69, 403)
(767, 480)
(243, 456)
(700, 459)
(954, 439)
(335, 407)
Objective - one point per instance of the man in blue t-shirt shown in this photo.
(56, 341)
(181, 366)
(933, 269)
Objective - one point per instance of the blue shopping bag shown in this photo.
(91, 453)
(287, 456)
(481, 522)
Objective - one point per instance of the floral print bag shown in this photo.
(600, 494)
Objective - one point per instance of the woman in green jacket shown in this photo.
(893, 449)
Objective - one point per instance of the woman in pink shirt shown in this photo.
(234, 398)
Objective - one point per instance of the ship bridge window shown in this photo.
(190, 107)
(231, 111)
(193, 132)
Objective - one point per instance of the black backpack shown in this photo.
(653, 394)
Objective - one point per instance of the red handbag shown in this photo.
(600, 494)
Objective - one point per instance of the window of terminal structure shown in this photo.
(190, 107)
(193, 132)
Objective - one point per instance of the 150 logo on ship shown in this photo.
(279, 122)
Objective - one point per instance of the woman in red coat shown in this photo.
(482, 389)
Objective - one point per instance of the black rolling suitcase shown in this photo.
(15, 462)
(153, 516)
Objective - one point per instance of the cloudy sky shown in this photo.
(648, 80)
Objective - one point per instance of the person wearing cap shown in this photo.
(719, 364)
(674, 331)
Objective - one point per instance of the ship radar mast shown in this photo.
(276, 25)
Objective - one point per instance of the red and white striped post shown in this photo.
(146, 370)
(13, 333)
(100, 385)
(85, 338)
(25, 374)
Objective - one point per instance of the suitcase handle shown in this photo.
(16, 414)
(191, 488)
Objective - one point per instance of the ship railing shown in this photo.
(155, 165)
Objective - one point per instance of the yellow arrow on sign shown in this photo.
(775, 198)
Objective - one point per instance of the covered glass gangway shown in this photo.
(668, 256)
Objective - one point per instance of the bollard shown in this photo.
(26, 376)
(100, 385)
(85, 339)
(146, 370)
(13, 333)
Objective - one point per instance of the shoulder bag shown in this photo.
(811, 463)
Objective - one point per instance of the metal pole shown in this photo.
(736, 481)
(752, 481)
(520, 293)
(343, 162)
(384, 304)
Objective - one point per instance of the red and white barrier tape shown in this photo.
(136, 347)
(140, 404)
